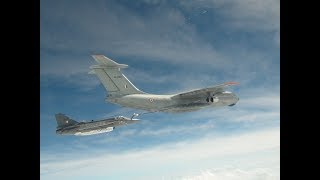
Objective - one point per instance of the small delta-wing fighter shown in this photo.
(67, 126)
(121, 91)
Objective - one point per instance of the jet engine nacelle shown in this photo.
(212, 99)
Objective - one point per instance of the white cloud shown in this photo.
(235, 174)
(252, 117)
(67, 70)
(257, 14)
(171, 160)
(263, 100)
(176, 129)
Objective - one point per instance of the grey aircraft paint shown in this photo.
(67, 126)
(122, 92)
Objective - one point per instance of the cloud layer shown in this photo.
(210, 152)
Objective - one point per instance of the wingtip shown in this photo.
(97, 55)
(231, 83)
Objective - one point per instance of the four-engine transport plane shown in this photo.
(121, 91)
(67, 126)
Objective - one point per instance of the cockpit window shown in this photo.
(119, 117)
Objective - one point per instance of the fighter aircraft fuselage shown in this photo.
(91, 127)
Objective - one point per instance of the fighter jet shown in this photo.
(67, 126)
(122, 92)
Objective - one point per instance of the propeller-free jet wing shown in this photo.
(122, 92)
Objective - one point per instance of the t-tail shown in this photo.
(112, 79)
(63, 120)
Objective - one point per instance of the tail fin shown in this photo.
(63, 120)
(111, 77)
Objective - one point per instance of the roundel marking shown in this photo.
(151, 100)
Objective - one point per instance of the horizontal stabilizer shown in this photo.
(107, 62)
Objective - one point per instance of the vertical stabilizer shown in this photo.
(63, 120)
(109, 74)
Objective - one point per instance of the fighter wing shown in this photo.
(205, 91)
(100, 127)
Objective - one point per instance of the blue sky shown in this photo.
(170, 46)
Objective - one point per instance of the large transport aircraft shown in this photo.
(122, 92)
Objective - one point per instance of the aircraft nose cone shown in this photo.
(235, 100)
